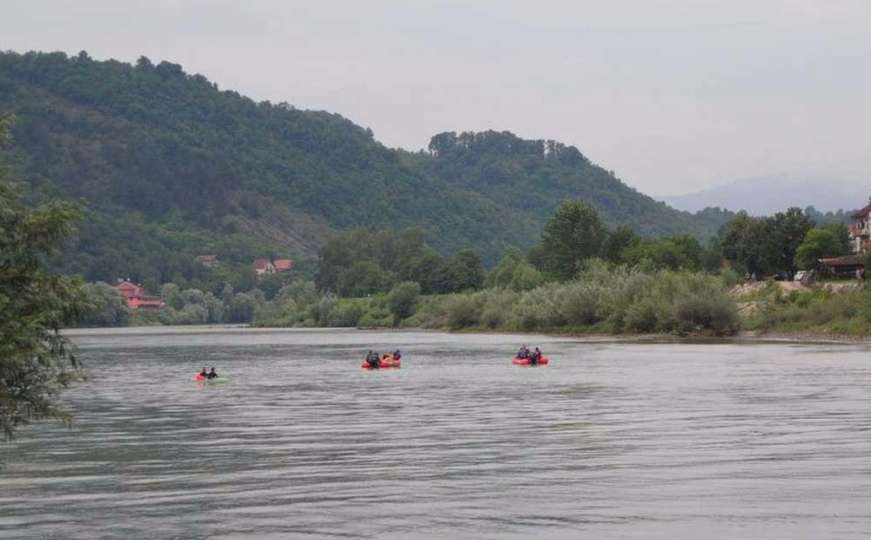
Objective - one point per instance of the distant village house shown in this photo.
(860, 230)
(135, 296)
(263, 267)
(852, 266)
(283, 265)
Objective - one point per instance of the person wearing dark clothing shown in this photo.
(523, 352)
(372, 360)
(212, 374)
(397, 355)
(204, 373)
(535, 356)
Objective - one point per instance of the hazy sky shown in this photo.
(674, 95)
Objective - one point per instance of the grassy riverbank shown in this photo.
(823, 311)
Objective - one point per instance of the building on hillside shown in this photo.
(860, 230)
(209, 261)
(263, 267)
(283, 265)
(135, 296)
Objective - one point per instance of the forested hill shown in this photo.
(169, 166)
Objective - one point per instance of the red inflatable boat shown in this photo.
(386, 361)
(525, 361)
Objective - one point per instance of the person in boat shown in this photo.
(397, 355)
(535, 356)
(212, 374)
(204, 374)
(372, 359)
(523, 352)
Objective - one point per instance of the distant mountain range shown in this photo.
(764, 195)
(168, 167)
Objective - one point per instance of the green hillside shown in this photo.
(168, 166)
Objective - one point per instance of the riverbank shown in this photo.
(819, 311)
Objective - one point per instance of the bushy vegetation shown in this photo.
(603, 298)
(820, 310)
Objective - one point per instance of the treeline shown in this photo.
(187, 304)
(781, 244)
(360, 263)
(582, 276)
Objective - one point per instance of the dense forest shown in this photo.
(168, 166)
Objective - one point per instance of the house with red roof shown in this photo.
(135, 296)
(263, 267)
(282, 265)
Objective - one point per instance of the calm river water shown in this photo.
(612, 440)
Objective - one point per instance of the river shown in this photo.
(614, 439)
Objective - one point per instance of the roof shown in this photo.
(149, 302)
(283, 264)
(262, 264)
(863, 212)
(847, 260)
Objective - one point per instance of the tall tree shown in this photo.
(828, 241)
(618, 241)
(786, 231)
(743, 241)
(574, 234)
(36, 361)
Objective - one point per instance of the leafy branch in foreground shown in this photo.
(36, 361)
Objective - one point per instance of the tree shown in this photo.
(679, 252)
(363, 278)
(171, 294)
(828, 241)
(107, 306)
(242, 308)
(785, 232)
(36, 362)
(214, 308)
(402, 299)
(617, 242)
(515, 273)
(743, 241)
(467, 271)
(574, 234)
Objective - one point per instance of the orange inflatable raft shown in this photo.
(525, 361)
(386, 361)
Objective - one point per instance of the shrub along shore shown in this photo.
(603, 299)
(820, 311)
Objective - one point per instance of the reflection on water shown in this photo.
(613, 440)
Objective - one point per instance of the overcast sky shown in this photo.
(673, 95)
